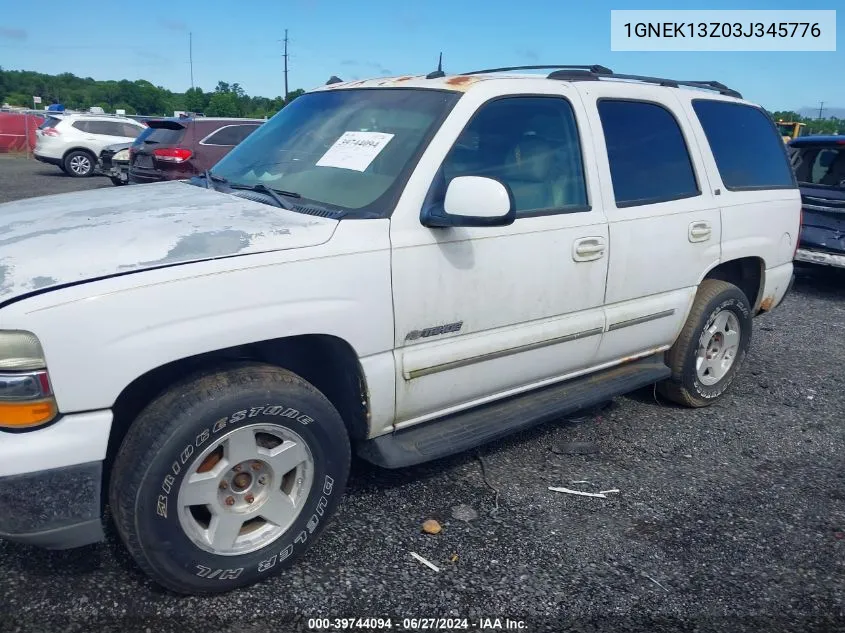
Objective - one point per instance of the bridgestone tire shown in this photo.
(684, 386)
(151, 465)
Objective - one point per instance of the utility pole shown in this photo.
(286, 65)
(821, 109)
(191, 56)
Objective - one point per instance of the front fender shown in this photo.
(99, 337)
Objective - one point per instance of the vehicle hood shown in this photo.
(67, 238)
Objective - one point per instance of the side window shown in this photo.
(100, 127)
(230, 135)
(748, 149)
(132, 131)
(531, 145)
(649, 159)
(82, 126)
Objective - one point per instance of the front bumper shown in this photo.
(55, 509)
(50, 482)
(820, 257)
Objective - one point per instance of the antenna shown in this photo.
(437, 74)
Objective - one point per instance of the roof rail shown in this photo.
(580, 74)
(594, 68)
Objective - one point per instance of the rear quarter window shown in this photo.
(748, 150)
(230, 135)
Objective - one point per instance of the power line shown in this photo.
(191, 56)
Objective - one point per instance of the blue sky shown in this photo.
(372, 37)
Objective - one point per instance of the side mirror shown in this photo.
(473, 201)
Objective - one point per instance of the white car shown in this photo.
(74, 141)
(406, 268)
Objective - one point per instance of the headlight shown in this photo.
(121, 155)
(26, 396)
(19, 351)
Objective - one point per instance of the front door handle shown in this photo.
(700, 231)
(587, 249)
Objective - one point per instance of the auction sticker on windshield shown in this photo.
(355, 150)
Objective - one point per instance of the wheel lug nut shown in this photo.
(250, 498)
(230, 501)
(256, 465)
(237, 468)
(223, 485)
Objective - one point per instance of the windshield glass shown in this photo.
(347, 148)
(823, 166)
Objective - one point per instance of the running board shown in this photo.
(469, 429)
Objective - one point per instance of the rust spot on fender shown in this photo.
(767, 303)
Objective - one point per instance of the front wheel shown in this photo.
(712, 346)
(228, 478)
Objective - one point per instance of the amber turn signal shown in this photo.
(20, 415)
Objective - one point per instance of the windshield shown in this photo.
(347, 148)
(822, 166)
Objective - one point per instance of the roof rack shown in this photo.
(580, 74)
(594, 68)
(594, 72)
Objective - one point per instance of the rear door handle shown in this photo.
(700, 231)
(587, 249)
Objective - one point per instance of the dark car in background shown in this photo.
(177, 148)
(819, 165)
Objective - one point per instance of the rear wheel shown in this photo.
(79, 164)
(712, 346)
(228, 478)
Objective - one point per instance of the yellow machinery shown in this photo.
(790, 130)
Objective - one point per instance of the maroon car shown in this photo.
(172, 149)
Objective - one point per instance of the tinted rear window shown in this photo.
(161, 135)
(649, 161)
(749, 152)
(50, 121)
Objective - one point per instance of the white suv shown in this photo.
(74, 141)
(406, 267)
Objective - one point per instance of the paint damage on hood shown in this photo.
(65, 238)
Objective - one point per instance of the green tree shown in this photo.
(222, 104)
(196, 100)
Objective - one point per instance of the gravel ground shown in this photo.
(729, 518)
(23, 178)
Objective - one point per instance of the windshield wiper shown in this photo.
(276, 194)
(209, 178)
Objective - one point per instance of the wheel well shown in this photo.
(327, 362)
(79, 149)
(745, 273)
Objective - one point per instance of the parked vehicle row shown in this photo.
(127, 150)
(404, 267)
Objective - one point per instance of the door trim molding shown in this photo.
(463, 362)
(643, 319)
